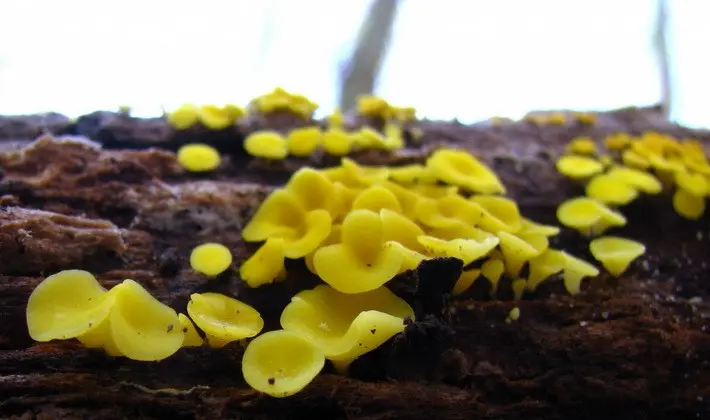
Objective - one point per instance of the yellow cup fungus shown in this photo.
(198, 157)
(281, 100)
(142, 327)
(465, 281)
(223, 318)
(281, 363)
(214, 117)
(634, 159)
(466, 250)
(335, 119)
(398, 228)
(688, 205)
(346, 326)
(363, 261)
(302, 142)
(368, 138)
(575, 271)
(617, 141)
(192, 338)
(528, 226)
(210, 259)
(447, 211)
(587, 118)
(66, 305)
(184, 117)
(376, 198)
(497, 213)
(588, 216)
(373, 106)
(640, 180)
(493, 269)
(265, 265)
(460, 168)
(337, 142)
(266, 144)
(582, 146)
(610, 190)
(411, 174)
(543, 266)
(101, 337)
(517, 251)
(694, 183)
(513, 315)
(616, 253)
(578, 167)
(313, 190)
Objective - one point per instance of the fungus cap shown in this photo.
(693, 183)
(223, 317)
(517, 251)
(192, 338)
(184, 117)
(466, 250)
(588, 215)
(616, 253)
(396, 227)
(337, 142)
(66, 305)
(640, 180)
(265, 265)
(460, 168)
(281, 363)
(545, 265)
(304, 141)
(688, 205)
(376, 198)
(465, 281)
(101, 337)
(498, 213)
(578, 167)
(197, 157)
(493, 269)
(280, 215)
(611, 190)
(635, 160)
(575, 271)
(529, 226)
(210, 259)
(582, 145)
(142, 327)
(266, 144)
(214, 117)
(312, 189)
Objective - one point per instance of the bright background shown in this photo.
(470, 59)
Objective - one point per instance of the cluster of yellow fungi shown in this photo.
(561, 118)
(209, 116)
(651, 163)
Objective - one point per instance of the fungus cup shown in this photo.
(192, 338)
(578, 167)
(266, 144)
(693, 183)
(610, 190)
(101, 338)
(410, 174)
(543, 266)
(214, 117)
(197, 157)
(517, 251)
(66, 305)
(582, 146)
(465, 281)
(373, 106)
(447, 211)
(265, 265)
(588, 216)
(346, 326)
(363, 261)
(457, 167)
(640, 180)
(575, 271)
(376, 198)
(493, 269)
(497, 213)
(210, 259)
(688, 205)
(466, 250)
(184, 117)
(313, 190)
(302, 142)
(337, 142)
(142, 327)
(281, 363)
(616, 253)
(222, 318)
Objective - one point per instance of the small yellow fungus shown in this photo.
(417, 134)
(556, 118)
(688, 205)
(460, 168)
(406, 198)
(635, 160)
(368, 138)
(304, 141)
(184, 117)
(404, 114)
(142, 327)
(640, 180)
(101, 338)
(300, 105)
(434, 191)
(518, 287)
(337, 142)
(346, 326)
(66, 305)
(373, 106)
(192, 338)
(578, 167)
(266, 144)
(224, 318)
(313, 190)
(466, 250)
(694, 183)
(493, 269)
(465, 281)
(411, 174)
(516, 252)
(396, 227)
(617, 141)
(364, 175)
(459, 230)
(281, 363)
(210, 259)
(394, 139)
(335, 119)
(610, 190)
(376, 198)
(265, 265)
(587, 118)
(497, 213)
(198, 157)
(582, 146)
(514, 314)
(333, 238)
(543, 266)
(235, 112)
(363, 261)
(447, 211)
(410, 258)
(214, 117)
(616, 253)
(575, 271)
(528, 226)
(588, 216)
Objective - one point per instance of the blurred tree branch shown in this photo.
(661, 47)
(362, 68)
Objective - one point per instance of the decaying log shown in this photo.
(634, 347)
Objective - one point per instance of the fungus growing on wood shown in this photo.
(616, 253)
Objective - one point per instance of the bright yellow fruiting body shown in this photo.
(497, 213)
(465, 281)
(543, 266)
(587, 118)
(224, 318)
(337, 142)
(617, 141)
(302, 142)
(514, 314)
(582, 146)
(493, 270)
(265, 265)
(610, 190)
(373, 106)
(460, 168)
(363, 261)
(412, 174)
(516, 251)
(528, 226)
(578, 167)
(556, 118)
(198, 157)
(640, 180)
(192, 338)
(281, 100)
(66, 305)
(635, 160)
(142, 327)
(575, 271)
(210, 259)
(346, 326)
(101, 337)
(688, 205)
(616, 253)
(235, 112)
(694, 183)
(375, 198)
(367, 138)
(266, 144)
(183, 117)
(281, 363)
(588, 216)
(466, 250)
(214, 117)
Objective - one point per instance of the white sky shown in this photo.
(465, 58)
